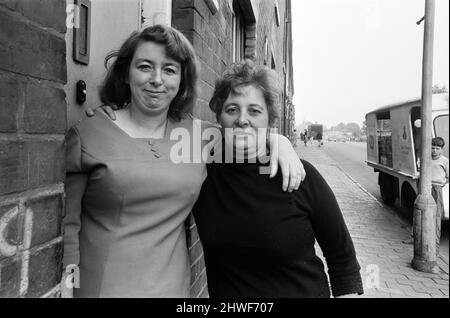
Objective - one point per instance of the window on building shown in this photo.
(244, 30)
(213, 5)
(441, 130)
(238, 32)
(266, 51)
(277, 14)
(155, 12)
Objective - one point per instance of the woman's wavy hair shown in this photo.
(246, 73)
(116, 90)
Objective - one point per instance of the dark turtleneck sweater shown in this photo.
(259, 241)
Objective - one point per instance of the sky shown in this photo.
(352, 56)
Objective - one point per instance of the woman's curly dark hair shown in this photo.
(116, 90)
(248, 73)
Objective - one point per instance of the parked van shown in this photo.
(393, 147)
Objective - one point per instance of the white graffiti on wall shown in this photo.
(7, 249)
(26, 244)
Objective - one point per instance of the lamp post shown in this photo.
(425, 258)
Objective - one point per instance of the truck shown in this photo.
(314, 130)
(393, 148)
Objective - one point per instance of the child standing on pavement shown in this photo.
(439, 178)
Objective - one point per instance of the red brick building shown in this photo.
(226, 31)
(40, 66)
(32, 126)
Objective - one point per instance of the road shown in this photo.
(351, 156)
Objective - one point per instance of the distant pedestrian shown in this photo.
(319, 138)
(439, 178)
(294, 138)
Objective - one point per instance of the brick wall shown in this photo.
(267, 28)
(279, 48)
(32, 126)
(211, 37)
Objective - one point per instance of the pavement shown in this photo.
(378, 235)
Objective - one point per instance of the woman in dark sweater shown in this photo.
(259, 241)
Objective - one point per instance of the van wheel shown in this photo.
(387, 188)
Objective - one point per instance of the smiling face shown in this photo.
(243, 115)
(154, 79)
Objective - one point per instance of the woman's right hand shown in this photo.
(108, 110)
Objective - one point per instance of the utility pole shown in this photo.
(425, 258)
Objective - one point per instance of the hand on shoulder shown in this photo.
(108, 110)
